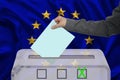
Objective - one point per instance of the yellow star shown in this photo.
(86, 53)
(61, 66)
(61, 12)
(89, 40)
(75, 63)
(31, 40)
(45, 63)
(46, 14)
(36, 25)
(75, 14)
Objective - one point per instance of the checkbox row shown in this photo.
(61, 74)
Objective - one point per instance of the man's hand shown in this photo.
(61, 22)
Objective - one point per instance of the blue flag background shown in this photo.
(17, 17)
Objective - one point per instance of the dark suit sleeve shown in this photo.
(105, 28)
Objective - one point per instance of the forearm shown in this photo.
(108, 27)
(96, 28)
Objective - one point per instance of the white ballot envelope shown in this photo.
(52, 42)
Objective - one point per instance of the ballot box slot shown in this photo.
(63, 57)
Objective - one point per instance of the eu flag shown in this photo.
(22, 21)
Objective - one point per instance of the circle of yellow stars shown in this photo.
(61, 12)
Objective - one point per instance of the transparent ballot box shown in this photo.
(73, 64)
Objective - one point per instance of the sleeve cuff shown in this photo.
(70, 24)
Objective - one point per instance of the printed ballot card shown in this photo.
(52, 42)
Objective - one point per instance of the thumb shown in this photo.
(55, 26)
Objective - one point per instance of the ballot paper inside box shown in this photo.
(73, 64)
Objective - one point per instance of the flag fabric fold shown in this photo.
(18, 32)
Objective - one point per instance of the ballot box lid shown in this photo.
(91, 57)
